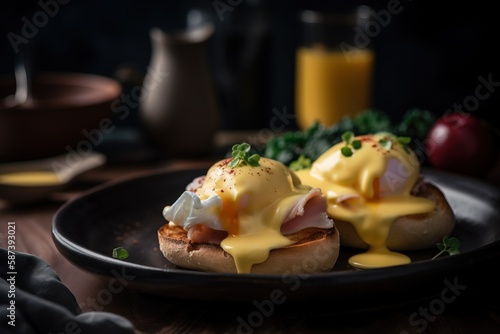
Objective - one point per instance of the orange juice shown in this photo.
(331, 85)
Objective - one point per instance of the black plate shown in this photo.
(129, 212)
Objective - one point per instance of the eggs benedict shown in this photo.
(249, 215)
(378, 198)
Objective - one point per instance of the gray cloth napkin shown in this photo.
(35, 300)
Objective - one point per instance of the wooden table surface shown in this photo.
(476, 310)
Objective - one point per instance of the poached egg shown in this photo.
(248, 210)
(367, 181)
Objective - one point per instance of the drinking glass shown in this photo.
(334, 66)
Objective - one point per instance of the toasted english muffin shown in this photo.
(312, 250)
(411, 232)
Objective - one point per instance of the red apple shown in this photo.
(461, 143)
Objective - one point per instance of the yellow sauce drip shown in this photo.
(249, 249)
(377, 195)
(31, 178)
(257, 200)
(378, 258)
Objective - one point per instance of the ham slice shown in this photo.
(206, 235)
(309, 211)
(195, 184)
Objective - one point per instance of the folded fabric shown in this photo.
(34, 300)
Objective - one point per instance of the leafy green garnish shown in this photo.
(301, 163)
(315, 140)
(241, 158)
(415, 124)
(346, 151)
(450, 245)
(371, 121)
(120, 253)
(356, 144)
(347, 138)
(387, 143)
(405, 141)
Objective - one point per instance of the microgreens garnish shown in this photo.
(241, 158)
(355, 144)
(450, 245)
(404, 141)
(387, 143)
(120, 253)
(302, 162)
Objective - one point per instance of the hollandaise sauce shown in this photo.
(30, 178)
(370, 189)
(254, 203)
(250, 249)
(373, 224)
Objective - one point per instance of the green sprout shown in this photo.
(241, 158)
(450, 245)
(120, 253)
(347, 138)
(387, 144)
(302, 162)
(404, 141)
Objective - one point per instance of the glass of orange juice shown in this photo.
(334, 66)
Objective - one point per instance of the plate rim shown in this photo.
(440, 266)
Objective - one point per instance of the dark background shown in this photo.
(429, 56)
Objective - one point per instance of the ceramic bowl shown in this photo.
(65, 108)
